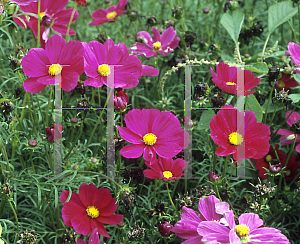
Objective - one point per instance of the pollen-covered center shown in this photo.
(42, 14)
(149, 139)
(235, 138)
(230, 83)
(111, 15)
(281, 84)
(156, 46)
(55, 69)
(287, 173)
(268, 158)
(93, 212)
(242, 230)
(103, 70)
(167, 174)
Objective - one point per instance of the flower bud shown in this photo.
(51, 132)
(32, 143)
(165, 228)
(74, 120)
(94, 160)
(275, 168)
(102, 38)
(218, 100)
(75, 166)
(169, 23)
(132, 15)
(273, 73)
(296, 127)
(177, 12)
(120, 100)
(206, 10)
(213, 177)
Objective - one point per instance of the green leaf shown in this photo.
(253, 105)
(233, 24)
(296, 77)
(280, 13)
(205, 119)
(295, 97)
(258, 68)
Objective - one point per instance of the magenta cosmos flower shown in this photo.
(94, 238)
(286, 82)
(127, 71)
(226, 134)
(210, 208)
(90, 209)
(249, 230)
(59, 57)
(226, 79)
(23, 2)
(289, 136)
(53, 15)
(165, 168)
(102, 16)
(163, 44)
(151, 131)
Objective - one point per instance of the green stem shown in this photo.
(124, 40)
(32, 162)
(273, 115)
(69, 26)
(154, 192)
(270, 96)
(171, 198)
(39, 24)
(159, 187)
(225, 166)
(174, 188)
(48, 106)
(293, 31)
(91, 172)
(16, 217)
(263, 52)
(218, 194)
(2, 204)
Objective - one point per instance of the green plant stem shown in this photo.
(72, 133)
(273, 115)
(287, 160)
(142, 163)
(154, 192)
(225, 167)
(32, 162)
(48, 106)
(270, 96)
(265, 45)
(299, 19)
(2, 204)
(167, 185)
(91, 172)
(16, 217)
(159, 187)
(122, 36)
(218, 194)
(70, 22)
(246, 100)
(174, 188)
(4, 154)
(39, 24)
(293, 31)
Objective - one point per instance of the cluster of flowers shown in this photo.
(216, 224)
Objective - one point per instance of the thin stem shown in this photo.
(154, 192)
(225, 167)
(71, 19)
(270, 96)
(273, 115)
(263, 52)
(91, 172)
(32, 162)
(48, 106)
(167, 185)
(174, 188)
(124, 40)
(293, 31)
(39, 24)
(15, 214)
(217, 190)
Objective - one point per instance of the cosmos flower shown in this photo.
(59, 57)
(79, 2)
(127, 71)
(210, 208)
(102, 16)
(94, 238)
(90, 209)
(53, 16)
(285, 82)
(151, 131)
(165, 168)
(289, 136)
(50, 132)
(226, 79)
(226, 134)
(23, 2)
(163, 44)
(249, 230)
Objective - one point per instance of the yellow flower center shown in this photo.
(230, 83)
(111, 15)
(167, 174)
(42, 14)
(268, 158)
(242, 230)
(55, 69)
(156, 46)
(281, 84)
(235, 138)
(92, 212)
(288, 172)
(149, 139)
(104, 70)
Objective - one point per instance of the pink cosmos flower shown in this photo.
(23, 2)
(163, 44)
(226, 79)
(210, 208)
(289, 136)
(226, 134)
(81, 2)
(53, 15)
(59, 57)
(90, 209)
(165, 168)
(151, 131)
(127, 71)
(285, 82)
(249, 230)
(102, 16)
(94, 238)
